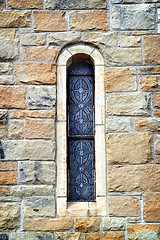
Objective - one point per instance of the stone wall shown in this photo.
(32, 34)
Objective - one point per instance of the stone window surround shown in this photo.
(97, 208)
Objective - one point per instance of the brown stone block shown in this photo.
(4, 190)
(104, 236)
(156, 100)
(68, 235)
(152, 207)
(147, 124)
(142, 231)
(42, 53)
(152, 49)
(37, 128)
(88, 20)
(12, 97)
(123, 206)
(157, 144)
(149, 70)
(134, 178)
(48, 224)
(120, 79)
(87, 224)
(15, 19)
(25, 4)
(49, 21)
(35, 73)
(32, 114)
(7, 178)
(156, 113)
(8, 166)
(128, 148)
(157, 159)
(150, 83)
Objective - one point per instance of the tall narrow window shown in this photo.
(80, 132)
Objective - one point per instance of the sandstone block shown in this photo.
(3, 123)
(112, 224)
(157, 144)
(2, 4)
(37, 172)
(54, 4)
(12, 97)
(35, 73)
(150, 83)
(39, 207)
(42, 53)
(149, 70)
(152, 207)
(120, 79)
(156, 113)
(39, 224)
(134, 178)
(129, 148)
(25, 4)
(128, 104)
(87, 224)
(152, 49)
(32, 190)
(8, 166)
(8, 45)
(147, 124)
(4, 191)
(118, 124)
(129, 41)
(104, 236)
(41, 97)
(32, 114)
(33, 236)
(6, 73)
(156, 100)
(49, 21)
(138, 16)
(33, 39)
(9, 215)
(15, 19)
(142, 231)
(88, 20)
(7, 178)
(101, 38)
(67, 236)
(16, 129)
(29, 150)
(62, 38)
(123, 206)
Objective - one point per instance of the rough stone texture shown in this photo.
(147, 124)
(37, 172)
(12, 97)
(156, 100)
(88, 20)
(133, 178)
(152, 49)
(33, 39)
(87, 224)
(118, 124)
(7, 178)
(152, 207)
(129, 41)
(83, 4)
(150, 83)
(35, 73)
(123, 206)
(16, 129)
(39, 207)
(29, 150)
(25, 4)
(33, 236)
(104, 236)
(32, 114)
(4, 191)
(100, 38)
(157, 144)
(4, 236)
(129, 148)
(6, 73)
(47, 224)
(49, 21)
(31, 190)
(3, 123)
(41, 97)
(69, 236)
(62, 38)
(8, 45)
(7, 166)
(112, 224)
(143, 231)
(128, 104)
(14, 19)
(120, 79)
(9, 215)
(42, 53)
(137, 16)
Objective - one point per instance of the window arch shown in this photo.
(67, 58)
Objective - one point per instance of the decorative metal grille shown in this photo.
(81, 132)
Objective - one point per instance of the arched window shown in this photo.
(80, 132)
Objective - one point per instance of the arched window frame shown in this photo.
(64, 208)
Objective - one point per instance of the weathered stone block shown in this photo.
(41, 97)
(152, 207)
(4, 190)
(25, 4)
(7, 178)
(49, 21)
(12, 97)
(33, 236)
(152, 49)
(138, 16)
(37, 172)
(150, 83)
(32, 190)
(32, 114)
(157, 144)
(143, 231)
(29, 150)
(87, 224)
(129, 148)
(149, 70)
(9, 215)
(129, 41)
(120, 79)
(6, 73)
(14, 19)
(128, 104)
(42, 53)
(156, 100)
(35, 73)
(123, 206)
(33, 39)
(16, 129)
(104, 236)
(4, 236)
(3, 123)
(134, 178)
(8, 166)
(88, 20)
(118, 124)
(101, 38)
(67, 236)
(62, 38)
(8, 45)
(147, 124)
(112, 224)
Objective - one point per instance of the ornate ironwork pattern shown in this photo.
(81, 132)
